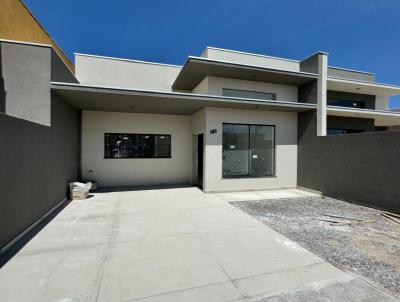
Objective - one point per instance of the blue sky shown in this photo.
(358, 34)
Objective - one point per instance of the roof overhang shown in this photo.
(381, 117)
(354, 86)
(100, 98)
(197, 68)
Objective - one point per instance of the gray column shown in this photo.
(315, 92)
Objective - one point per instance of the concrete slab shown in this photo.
(286, 280)
(247, 251)
(159, 245)
(64, 275)
(211, 293)
(153, 267)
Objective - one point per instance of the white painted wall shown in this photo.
(198, 127)
(103, 71)
(286, 149)
(214, 86)
(250, 59)
(133, 172)
(199, 122)
(202, 87)
(179, 168)
(381, 102)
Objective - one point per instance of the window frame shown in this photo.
(273, 175)
(144, 157)
(274, 95)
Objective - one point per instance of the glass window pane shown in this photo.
(120, 145)
(163, 145)
(335, 131)
(331, 131)
(146, 145)
(235, 150)
(262, 151)
(248, 94)
(346, 103)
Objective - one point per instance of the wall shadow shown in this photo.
(2, 86)
(14, 249)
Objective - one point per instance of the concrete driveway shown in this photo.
(160, 245)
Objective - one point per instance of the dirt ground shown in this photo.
(370, 251)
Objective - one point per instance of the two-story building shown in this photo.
(225, 120)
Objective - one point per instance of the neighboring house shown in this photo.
(223, 121)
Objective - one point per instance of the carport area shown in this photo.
(171, 244)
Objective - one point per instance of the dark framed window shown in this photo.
(346, 103)
(127, 145)
(337, 131)
(248, 150)
(246, 94)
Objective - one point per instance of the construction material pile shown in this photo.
(79, 191)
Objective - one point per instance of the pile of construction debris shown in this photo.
(391, 216)
(80, 191)
(344, 220)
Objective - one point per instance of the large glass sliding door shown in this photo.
(236, 150)
(262, 150)
(248, 150)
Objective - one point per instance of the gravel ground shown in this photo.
(370, 251)
(355, 290)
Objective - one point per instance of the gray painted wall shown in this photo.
(310, 64)
(2, 88)
(37, 162)
(339, 95)
(341, 122)
(26, 73)
(361, 168)
(350, 74)
(307, 93)
(60, 72)
(39, 134)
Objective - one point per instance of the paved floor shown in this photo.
(161, 245)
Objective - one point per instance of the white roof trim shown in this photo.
(26, 43)
(285, 59)
(363, 111)
(351, 70)
(125, 60)
(352, 81)
(252, 54)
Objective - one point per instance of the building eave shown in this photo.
(381, 117)
(106, 98)
(363, 87)
(196, 69)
